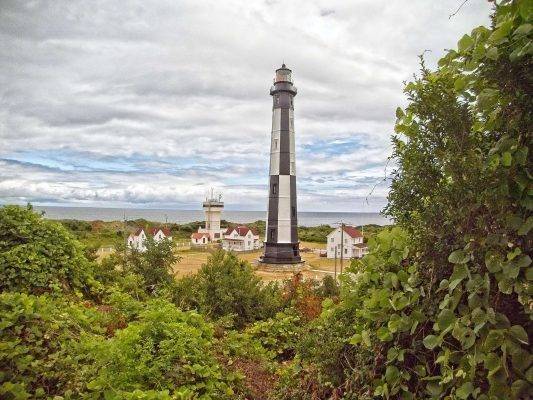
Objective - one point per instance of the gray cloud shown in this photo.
(139, 102)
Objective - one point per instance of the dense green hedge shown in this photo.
(441, 307)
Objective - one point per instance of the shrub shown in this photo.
(227, 286)
(38, 338)
(167, 351)
(442, 307)
(38, 255)
(155, 264)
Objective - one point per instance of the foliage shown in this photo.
(442, 307)
(165, 351)
(38, 255)
(37, 352)
(154, 265)
(278, 334)
(227, 286)
(314, 233)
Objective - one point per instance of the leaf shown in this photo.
(525, 8)
(465, 390)
(431, 341)
(493, 262)
(383, 334)
(523, 29)
(506, 286)
(519, 333)
(492, 53)
(460, 83)
(459, 273)
(399, 113)
(507, 159)
(458, 257)
(493, 340)
(445, 319)
(526, 227)
(366, 338)
(464, 43)
(392, 374)
(355, 339)
(501, 32)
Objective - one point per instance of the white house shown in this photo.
(353, 246)
(137, 239)
(200, 239)
(240, 238)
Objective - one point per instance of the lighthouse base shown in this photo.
(281, 253)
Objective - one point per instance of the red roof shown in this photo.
(165, 231)
(350, 230)
(138, 231)
(242, 230)
(197, 235)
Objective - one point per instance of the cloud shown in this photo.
(152, 103)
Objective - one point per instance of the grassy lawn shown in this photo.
(192, 259)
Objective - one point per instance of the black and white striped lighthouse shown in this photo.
(281, 236)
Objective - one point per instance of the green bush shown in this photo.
(165, 352)
(38, 336)
(278, 334)
(442, 307)
(38, 255)
(226, 286)
(155, 265)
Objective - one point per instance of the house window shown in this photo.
(217, 235)
(274, 188)
(249, 243)
(333, 249)
(332, 240)
(345, 251)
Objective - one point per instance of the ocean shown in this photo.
(184, 216)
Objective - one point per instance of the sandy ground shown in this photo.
(315, 267)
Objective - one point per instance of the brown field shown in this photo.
(316, 267)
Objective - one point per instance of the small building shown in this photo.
(137, 239)
(200, 239)
(240, 238)
(351, 246)
(211, 232)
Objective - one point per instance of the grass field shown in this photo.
(192, 259)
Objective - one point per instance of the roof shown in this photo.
(138, 231)
(165, 231)
(361, 245)
(242, 230)
(197, 235)
(350, 230)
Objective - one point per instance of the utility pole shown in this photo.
(342, 243)
(335, 262)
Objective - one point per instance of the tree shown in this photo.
(227, 286)
(441, 307)
(38, 255)
(154, 265)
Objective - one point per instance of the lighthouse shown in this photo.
(281, 235)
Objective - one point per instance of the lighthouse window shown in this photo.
(272, 234)
(276, 100)
(293, 211)
(274, 188)
(275, 144)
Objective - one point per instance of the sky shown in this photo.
(149, 104)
